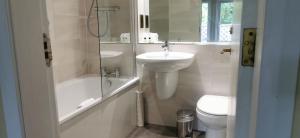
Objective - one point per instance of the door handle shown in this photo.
(226, 50)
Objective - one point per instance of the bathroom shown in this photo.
(79, 35)
(132, 68)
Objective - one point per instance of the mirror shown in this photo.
(185, 20)
(114, 21)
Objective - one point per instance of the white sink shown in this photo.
(111, 58)
(166, 67)
(110, 54)
(162, 62)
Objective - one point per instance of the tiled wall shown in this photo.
(209, 74)
(118, 21)
(68, 37)
(125, 62)
(75, 51)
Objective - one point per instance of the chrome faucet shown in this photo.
(115, 73)
(166, 47)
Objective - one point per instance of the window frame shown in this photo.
(213, 21)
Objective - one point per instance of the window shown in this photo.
(204, 23)
(217, 19)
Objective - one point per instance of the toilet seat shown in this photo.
(212, 112)
(213, 105)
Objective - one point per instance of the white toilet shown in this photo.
(212, 111)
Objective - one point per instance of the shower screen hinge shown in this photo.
(47, 49)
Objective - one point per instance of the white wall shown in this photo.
(68, 38)
(209, 74)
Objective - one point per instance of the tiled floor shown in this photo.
(154, 131)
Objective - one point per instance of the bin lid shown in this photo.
(185, 113)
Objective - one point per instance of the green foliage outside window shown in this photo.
(205, 13)
(226, 13)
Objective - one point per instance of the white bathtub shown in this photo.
(78, 95)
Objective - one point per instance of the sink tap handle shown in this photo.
(166, 45)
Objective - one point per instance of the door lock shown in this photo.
(248, 48)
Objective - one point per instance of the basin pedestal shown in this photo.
(166, 84)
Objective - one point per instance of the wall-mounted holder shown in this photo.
(226, 50)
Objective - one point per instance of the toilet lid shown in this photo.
(215, 105)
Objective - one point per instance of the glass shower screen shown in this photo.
(113, 49)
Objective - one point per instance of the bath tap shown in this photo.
(103, 72)
(166, 47)
(115, 73)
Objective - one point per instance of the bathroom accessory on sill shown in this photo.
(148, 38)
(125, 38)
(212, 111)
(166, 69)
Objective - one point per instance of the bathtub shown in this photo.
(73, 97)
